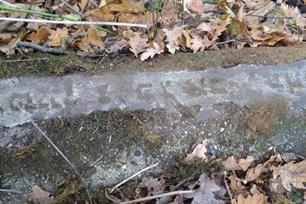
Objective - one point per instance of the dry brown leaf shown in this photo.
(83, 45)
(169, 13)
(151, 52)
(138, 44)
(173, 38)
(196, 6)
(243, 164)
(206, 192)
(153, 185)
(255, 198)
(110, 11)
(41, 35)
(199, 151)
(6, 37)
(39, 195)
(57, 37)
(235, 184)
(221, 27)
(94, 37)
(82, 4)
(294, 13)
(117, 46)
(291, 174)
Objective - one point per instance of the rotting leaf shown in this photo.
(153, 185)
(255, 198)
(138, 44)
(243, 164)
(206, 192)
(39, 195)
(291, 174)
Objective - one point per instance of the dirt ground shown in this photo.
(47, 65)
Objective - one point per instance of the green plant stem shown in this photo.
(13, 9)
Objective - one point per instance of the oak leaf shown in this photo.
(243, 164)
(41, 35)
(57, 36)
(291, 174)
(39, 195)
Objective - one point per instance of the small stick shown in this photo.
(224, 42)
(228, 189)
(134, 175)
(74, 22)
(27, 60)
(99, 159)
(10, 191)
(41, 48)
(158, 196)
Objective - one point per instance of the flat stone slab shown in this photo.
(27, 98)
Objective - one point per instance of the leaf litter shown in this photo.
(190, 25)
(244, 180)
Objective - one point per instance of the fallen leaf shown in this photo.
(117, 46)
(153, 185)
(199, 151)
(243, 164)
(151, 52)
(82, 4)
(294, 13)
(196, 6)
(291, 174)
(57, 36)
(94, 37)
(206, 192)
(172, 37)
(5, 37)
(39, 195)
(236, 184)
(255, 198)
(138, 44)
(41, 35)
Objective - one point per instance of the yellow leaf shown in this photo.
(56, 38)
(94, 37)
(41, 35)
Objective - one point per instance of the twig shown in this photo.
(10, 191)
(65, 158)
(26, 60)
(158, 196)
(134, 175)
(225, 42)
(42, 48)
(228, 189)
(74, 22)
(99, 159)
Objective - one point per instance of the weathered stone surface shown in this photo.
(43, 98)
(140, 118)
